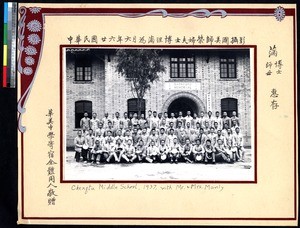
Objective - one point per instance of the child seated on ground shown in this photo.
(153, 151)
(221, 153)
(175, 151)
(187, 151)
(140, 151)
(209, 152)
(198, 151)
(129, 153)
(163, 151)
(96, 152)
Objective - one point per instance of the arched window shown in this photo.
(80, 108)
(132, 106)
(229, 105)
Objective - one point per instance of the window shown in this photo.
(229, 105)
(183, 67)
(227, 67)
(132, 105)
(80, 108)
(83, 68)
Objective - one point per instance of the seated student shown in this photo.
(129, 153)
(110, 128)
(193, 136)
(209, 152)
(135, 136)
(163, 124)
(226, 119)
(238, 145)
(163, 151)
(175, 151)
(216, 126)
(163, 136)
(234, 126)
(140, 151)
(134, 120)
(122, 128)
(105, 120)
(142, 121)
(171, 137)
(144, 136)
(79, 141)
(109, 148)
(171, 126)
(187, 151)
(153, 151)
(127, 136)
(90, 141)
(229, 145)
(220, 136)
(206, 128)
(126, 121)
(118, 150)
(198, 151)
(100, 131)
(153, 137)
(225, 130)
(119, 136)
(202, 137)
(201, 119)
(221, 153)
(97, 152)
(146, 126)
(100, 138)
(197, 127)
(212, 136)
(188, 129)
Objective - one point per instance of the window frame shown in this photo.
(186, 62)
(227, 63)
(84, 63)
(236, 105)
(142, 111)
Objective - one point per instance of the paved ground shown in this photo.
(238, 171)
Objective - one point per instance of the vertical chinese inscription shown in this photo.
(274, 67)
(51, 188)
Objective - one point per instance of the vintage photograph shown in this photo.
(158, 114)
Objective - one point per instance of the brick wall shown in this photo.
(109, 91)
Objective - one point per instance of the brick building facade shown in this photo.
(196, 80)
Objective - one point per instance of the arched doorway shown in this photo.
(183, 104)
(183, 101)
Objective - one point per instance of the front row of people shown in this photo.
(174, 152)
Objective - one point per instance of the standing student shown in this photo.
(194, 120)
(116, 121)
(201, 119)
(171, 137)
(100, 131)
(229, 145)
(125, 120)
(105, 120)
(163, 136)
(219, 120)
(79, 141)
(238, 144)
(235, 118)
(210, 119)
(180, 118)
(142, 120)
(188, 118)
(94, 122)
(172, 120)
(226, 120)
(85, 124)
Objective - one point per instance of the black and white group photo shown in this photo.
(158, 114)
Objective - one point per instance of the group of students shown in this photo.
(158, 138)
